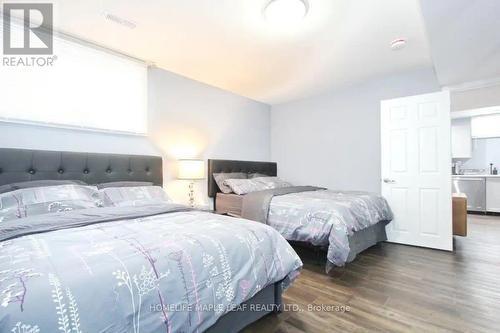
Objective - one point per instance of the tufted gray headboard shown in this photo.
(18, 165)
(216, 166)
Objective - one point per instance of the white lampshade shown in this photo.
(191, 169)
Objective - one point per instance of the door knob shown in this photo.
(389, 181)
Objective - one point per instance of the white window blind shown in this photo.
(486, 126)
(86, 87)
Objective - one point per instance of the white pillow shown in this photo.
(133, 196)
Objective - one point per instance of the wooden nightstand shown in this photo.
(459, 214)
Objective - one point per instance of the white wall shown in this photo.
(493, 152)
(189, 119)
(333, 140)
(484, 152)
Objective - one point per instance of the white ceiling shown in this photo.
(465, 39)
(228, 44)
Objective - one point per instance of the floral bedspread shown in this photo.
(173, 272)
(327, 218)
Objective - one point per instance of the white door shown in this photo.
(416, 169)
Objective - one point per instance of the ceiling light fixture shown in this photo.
(119, 20)
(398, 44)
(286, 12)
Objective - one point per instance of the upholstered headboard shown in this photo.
(18, 165)
(216, 166)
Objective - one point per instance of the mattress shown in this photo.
(229, 204)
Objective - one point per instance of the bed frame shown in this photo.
(19, 165)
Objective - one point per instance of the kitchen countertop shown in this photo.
(477, 176)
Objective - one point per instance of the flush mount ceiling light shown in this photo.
(398, 44)
(285, 12)
(119, 20)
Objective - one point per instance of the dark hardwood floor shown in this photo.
(397, 288)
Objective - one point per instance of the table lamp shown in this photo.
(191, 170)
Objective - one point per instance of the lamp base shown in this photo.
(191, 194)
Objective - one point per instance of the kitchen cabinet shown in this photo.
(461, 139)
(493, 194)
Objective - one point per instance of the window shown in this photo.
(86, 87)
(486, 126)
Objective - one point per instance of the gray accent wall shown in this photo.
(333, 140)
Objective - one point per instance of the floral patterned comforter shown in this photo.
(176, 271)
(327, 218)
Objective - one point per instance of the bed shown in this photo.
(344, 223)
(154, 268)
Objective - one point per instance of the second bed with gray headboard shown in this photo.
(306, 215)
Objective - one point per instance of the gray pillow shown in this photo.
(134, 196)
(38, 183)
(123, 184)
(244, 186)
(256, 175)
(221, 177)
(272, 182)
(33, 201)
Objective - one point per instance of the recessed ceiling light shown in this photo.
(285, 11)
(119, 20)
(398, 44)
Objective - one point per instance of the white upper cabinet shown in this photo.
(461, 139)
(487, 126)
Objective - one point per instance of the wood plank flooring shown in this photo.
(397, 288)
